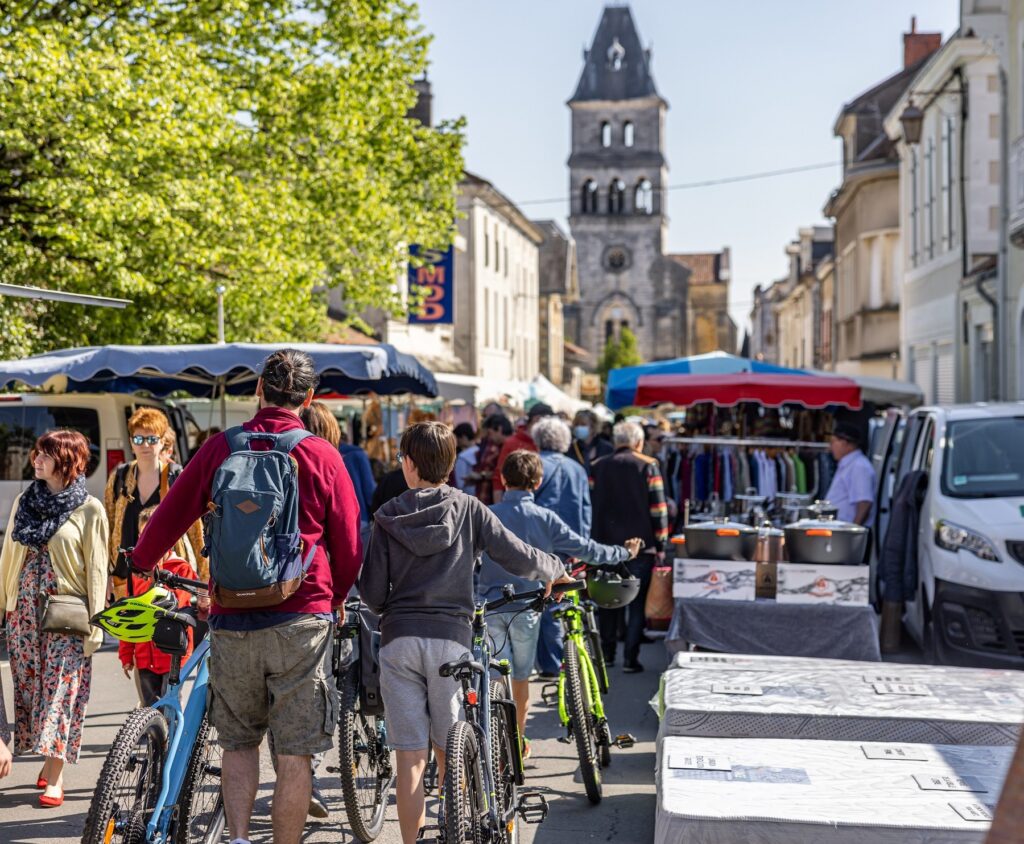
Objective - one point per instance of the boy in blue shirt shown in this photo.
(515, 628)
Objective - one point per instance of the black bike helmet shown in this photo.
(610, 589)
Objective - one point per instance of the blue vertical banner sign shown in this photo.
(432, 284)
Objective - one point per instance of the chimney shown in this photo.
(919, 45)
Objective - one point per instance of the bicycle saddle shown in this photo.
(464, 665)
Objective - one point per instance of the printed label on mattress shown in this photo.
(735, 689)
(901, 689)
(698, 762)
(1004, 699)
(883, 678)
(945, 782)
(902, 752)
(971, 810)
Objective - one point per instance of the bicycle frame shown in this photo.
(572, 622)
(183, 728)
(478, 715)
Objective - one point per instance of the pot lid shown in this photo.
(721, 527)
(768, 529)
(831, 526)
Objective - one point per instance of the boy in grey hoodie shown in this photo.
(418, 576)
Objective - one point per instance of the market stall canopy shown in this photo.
(543, 390)
(622, 383)
(883, 392)
(768, 389)
(202, 370)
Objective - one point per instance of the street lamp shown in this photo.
(912, 120)
(220, 290)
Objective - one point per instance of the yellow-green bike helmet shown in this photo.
(134, 618)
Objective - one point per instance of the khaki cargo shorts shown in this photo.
(274, 679)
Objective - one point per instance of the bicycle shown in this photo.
(363, 753)
(160, 782)
(582, 679)
(481, 798)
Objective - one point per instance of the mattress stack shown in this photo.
(831, 750)
(772, 791)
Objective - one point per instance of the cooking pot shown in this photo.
(826, 541)
(770, 544)
(720, 539)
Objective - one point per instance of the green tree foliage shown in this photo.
(152, 149)
(619, 353)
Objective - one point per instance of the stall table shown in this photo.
(767, 627)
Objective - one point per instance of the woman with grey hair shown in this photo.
(565, 489)
(628, 433)
(551, 434)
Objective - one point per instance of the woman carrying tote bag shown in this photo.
(53, 573)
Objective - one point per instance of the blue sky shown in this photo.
(753, 85)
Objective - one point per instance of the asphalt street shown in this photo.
(626, 813)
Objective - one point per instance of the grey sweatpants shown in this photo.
(419, 704)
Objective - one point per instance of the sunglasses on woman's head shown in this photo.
(152, 439)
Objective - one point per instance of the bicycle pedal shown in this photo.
(533, 807)
(549, 693)
(625, 741)
(430, 835)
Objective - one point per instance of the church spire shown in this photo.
(616, 66)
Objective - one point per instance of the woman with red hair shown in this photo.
(56, 544)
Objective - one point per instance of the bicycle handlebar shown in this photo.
(176, 582)
(510, 597)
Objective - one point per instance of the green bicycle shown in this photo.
(582, 680)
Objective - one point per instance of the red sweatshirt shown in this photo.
(328, 514)
(145, 654)
(521, 439)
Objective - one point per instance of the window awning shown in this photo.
(763, 388)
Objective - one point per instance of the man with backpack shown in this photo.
(282, 524)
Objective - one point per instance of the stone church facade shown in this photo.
(618, 209)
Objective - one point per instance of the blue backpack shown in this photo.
(256, 555)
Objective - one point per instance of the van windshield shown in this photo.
(984, 458)
(21, 425)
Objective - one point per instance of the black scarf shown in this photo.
(41, 513)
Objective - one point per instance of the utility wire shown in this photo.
(727, 180)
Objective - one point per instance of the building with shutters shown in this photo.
(866, 210)
(949, 214)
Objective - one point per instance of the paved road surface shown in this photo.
(627, 813)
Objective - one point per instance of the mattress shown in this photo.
(769, 791)
(793, 698)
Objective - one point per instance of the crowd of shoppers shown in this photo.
(521, 500)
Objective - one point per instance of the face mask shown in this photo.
(582, 432)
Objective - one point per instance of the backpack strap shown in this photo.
(237, 439)
(289, 439)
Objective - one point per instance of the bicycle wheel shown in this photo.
(463, 786)
(129, 782)
(201, 817)
(365, 763)
(577, 694)
(503, 765)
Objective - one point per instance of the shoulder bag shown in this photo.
(65, 614)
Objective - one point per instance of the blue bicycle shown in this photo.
(160, 782)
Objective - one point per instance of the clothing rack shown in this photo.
(755, 442)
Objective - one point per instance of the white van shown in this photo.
(969, 605)
(101, 417)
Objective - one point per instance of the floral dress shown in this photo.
(51, 673)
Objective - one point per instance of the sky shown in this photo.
(752, 85)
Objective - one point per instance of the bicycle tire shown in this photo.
(502, 764)
(119, 810)
(581, 723)
(201, 816)
(462, 786)
(359, 751)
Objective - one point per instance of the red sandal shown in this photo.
(52, 802)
